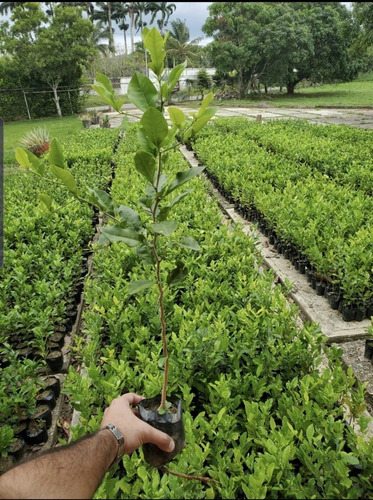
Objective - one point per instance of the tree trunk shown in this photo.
(125, 42)
(242, 87)
(265, 89)
(111, 38)
(290, 87)
(57, 100)
(131, 30)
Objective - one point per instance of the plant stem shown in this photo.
(186, 476)
(160, 290)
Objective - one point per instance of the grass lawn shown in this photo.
(356, 93)
(95, 100)
(62, 128)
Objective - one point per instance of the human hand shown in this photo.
(134, 430)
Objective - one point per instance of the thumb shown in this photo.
(160, 439)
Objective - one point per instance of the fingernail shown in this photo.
(171, 446)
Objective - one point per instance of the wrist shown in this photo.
(117, 443)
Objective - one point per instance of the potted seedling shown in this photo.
(86, 120)
(161, 194)
(95, 117)
(105, 122)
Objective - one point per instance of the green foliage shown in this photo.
(313, 186)
(266, 42)
(44, 251)
(260, 416)
(55, 52)
(151, 160)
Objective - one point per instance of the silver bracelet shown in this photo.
(120, 440)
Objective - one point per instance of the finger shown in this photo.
(132, 399)
(159, 438)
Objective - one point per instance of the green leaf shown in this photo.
(154, 125)
(202, 120)
(169, 137)
(129, 216)
(177, 275)
(141, 92)
(137, 286)
(104, 81)
(56, 156)
(145, 253)
(117, 233)
(177, 116)
(46, 201)
(154, 43)
(145, 143)
(175, 75)
(102, 199)
(183, 177)
(28, 160)
(166, 227)
(145, 164)
(179, 198)
(206, 101)
(66, 178)
(188, 242)
(350, 459)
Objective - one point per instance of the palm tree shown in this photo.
(165, 9)
(119, 14)
(178, 45)
(6, 7)
(105, 15)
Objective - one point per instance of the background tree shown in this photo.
(268, 40)
(105, 15)
(6, 7)
(363, 14)
(52, 50)
(120, 15)
(203, 81)
(164, 9)
(179, 48)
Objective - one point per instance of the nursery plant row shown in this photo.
(261, 418)
(41, 281)
(322, 225)
(339, 152)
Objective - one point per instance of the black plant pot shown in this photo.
(36, 432)
(171, 423)
(58, 338)
(18, 448)
(46, 397)
(348, 313)
(43, 412)
(55, 361)
(359, 314)
(21, 428)
(333, 300)
(320, 288)
(54, 384)
(368, 350)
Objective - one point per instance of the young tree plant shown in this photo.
(156, 137)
